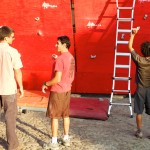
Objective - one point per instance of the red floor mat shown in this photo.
(80, 107)
(92, 108)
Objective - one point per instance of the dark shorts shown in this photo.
(58, 105)
(142, 100)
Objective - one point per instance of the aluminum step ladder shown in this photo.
(120, 54)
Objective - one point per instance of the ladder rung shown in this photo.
(125, 19)
(126, 104)
(121, 91)
(122, 78)
(122, 66)
(123, 54)
(125, 8)
(122, 42)
(124, 30)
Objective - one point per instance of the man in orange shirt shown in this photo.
(59, 100)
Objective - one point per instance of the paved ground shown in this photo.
(116, 133)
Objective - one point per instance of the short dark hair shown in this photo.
(5, 31)
(64, 40)
(145, 49)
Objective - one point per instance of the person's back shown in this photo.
(142, 69)
(142, 93)
(68, 63)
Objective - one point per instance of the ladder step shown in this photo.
(122, 42)
(121, 91)
(123, 54)
(124, 30)
(122, 66)
(125, 19)
(126, 104)
(125, 8)
(122, 78)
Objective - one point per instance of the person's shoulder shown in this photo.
(69, 54)
(63, 55)
(134, 52)
(12, 49)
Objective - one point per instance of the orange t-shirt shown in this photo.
(65, 63)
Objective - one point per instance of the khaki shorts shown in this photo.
(58, 105)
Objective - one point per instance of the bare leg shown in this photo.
(139, 121)
(139, 133)
(54, 127)
(66, 140)
(66, 125)
(53, 144)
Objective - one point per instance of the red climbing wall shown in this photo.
(38, 23)
(95, 41)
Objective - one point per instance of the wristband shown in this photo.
(45, 83)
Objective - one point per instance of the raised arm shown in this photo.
(130, 44)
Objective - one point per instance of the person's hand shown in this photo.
(54, 56)
(21, 92)
(135, 30)
(44, 87)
